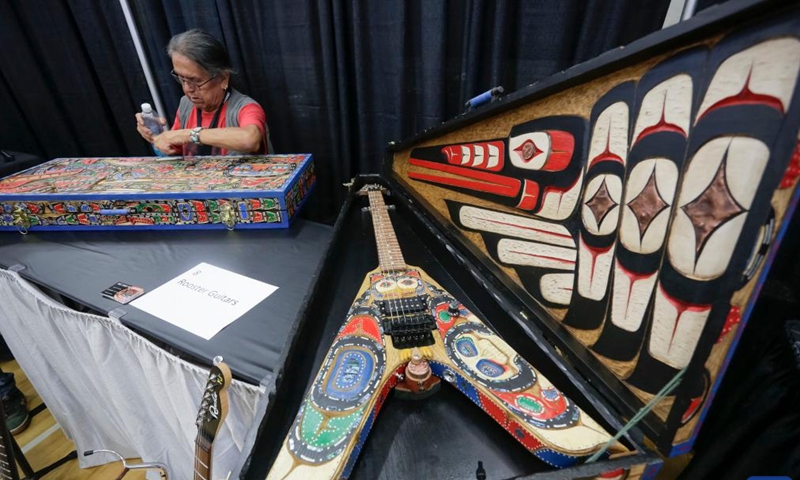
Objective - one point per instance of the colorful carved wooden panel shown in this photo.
(637, 210)
(150, 192)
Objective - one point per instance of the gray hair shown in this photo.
(203, 49)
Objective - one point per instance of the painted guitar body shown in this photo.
(369, 356)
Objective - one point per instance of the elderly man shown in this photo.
(212, 119)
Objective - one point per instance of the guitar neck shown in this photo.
(8, 467)
(202, 459)
(389, 253)
(213, 410)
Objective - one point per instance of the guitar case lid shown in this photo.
(630, 207)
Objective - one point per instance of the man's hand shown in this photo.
(171, 141)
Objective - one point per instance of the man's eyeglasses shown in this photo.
(192, 84)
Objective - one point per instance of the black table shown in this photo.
(80, 265)
(13, 162)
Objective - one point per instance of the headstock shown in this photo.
(372, 187)
(214, 405)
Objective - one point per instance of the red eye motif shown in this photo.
(528, 150)
(547, 150)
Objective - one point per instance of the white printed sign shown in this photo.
(205, 299)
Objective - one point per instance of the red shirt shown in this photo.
(250, 114)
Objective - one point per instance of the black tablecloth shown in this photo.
(80, 265)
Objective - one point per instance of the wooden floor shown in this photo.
(43, 442)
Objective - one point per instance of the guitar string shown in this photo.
(375, 208)
(198, 448)
(197, 444)
(394, 301)
(387, 225)
(6, 462)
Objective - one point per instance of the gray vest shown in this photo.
(235, 103)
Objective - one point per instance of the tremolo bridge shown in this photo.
(408, 321)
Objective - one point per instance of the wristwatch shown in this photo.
(194, 135)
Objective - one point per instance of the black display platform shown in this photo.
(80, 265)
(13, 162)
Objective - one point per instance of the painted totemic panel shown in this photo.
(660, 131)
(640, 225)
(537, 176)
(731, 199)
(76, 193)
(531, 170)
(398, 313)
(601, 206)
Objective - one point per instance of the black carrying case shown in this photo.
(446, 435)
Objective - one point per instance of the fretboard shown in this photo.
(389, 254)
(8, 469)
(202, 459)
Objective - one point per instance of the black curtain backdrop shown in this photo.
(339, 79)
(69, 79)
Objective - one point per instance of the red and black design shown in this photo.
(542, 254)
(674, 201)
(660, 132)
(723, 199)
(600, 207)
(536, 169)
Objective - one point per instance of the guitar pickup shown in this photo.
(404, 306)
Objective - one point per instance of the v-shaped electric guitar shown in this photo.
(403, 330)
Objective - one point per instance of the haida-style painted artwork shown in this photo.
(640, 225)
(398, 313)
(153, 191)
